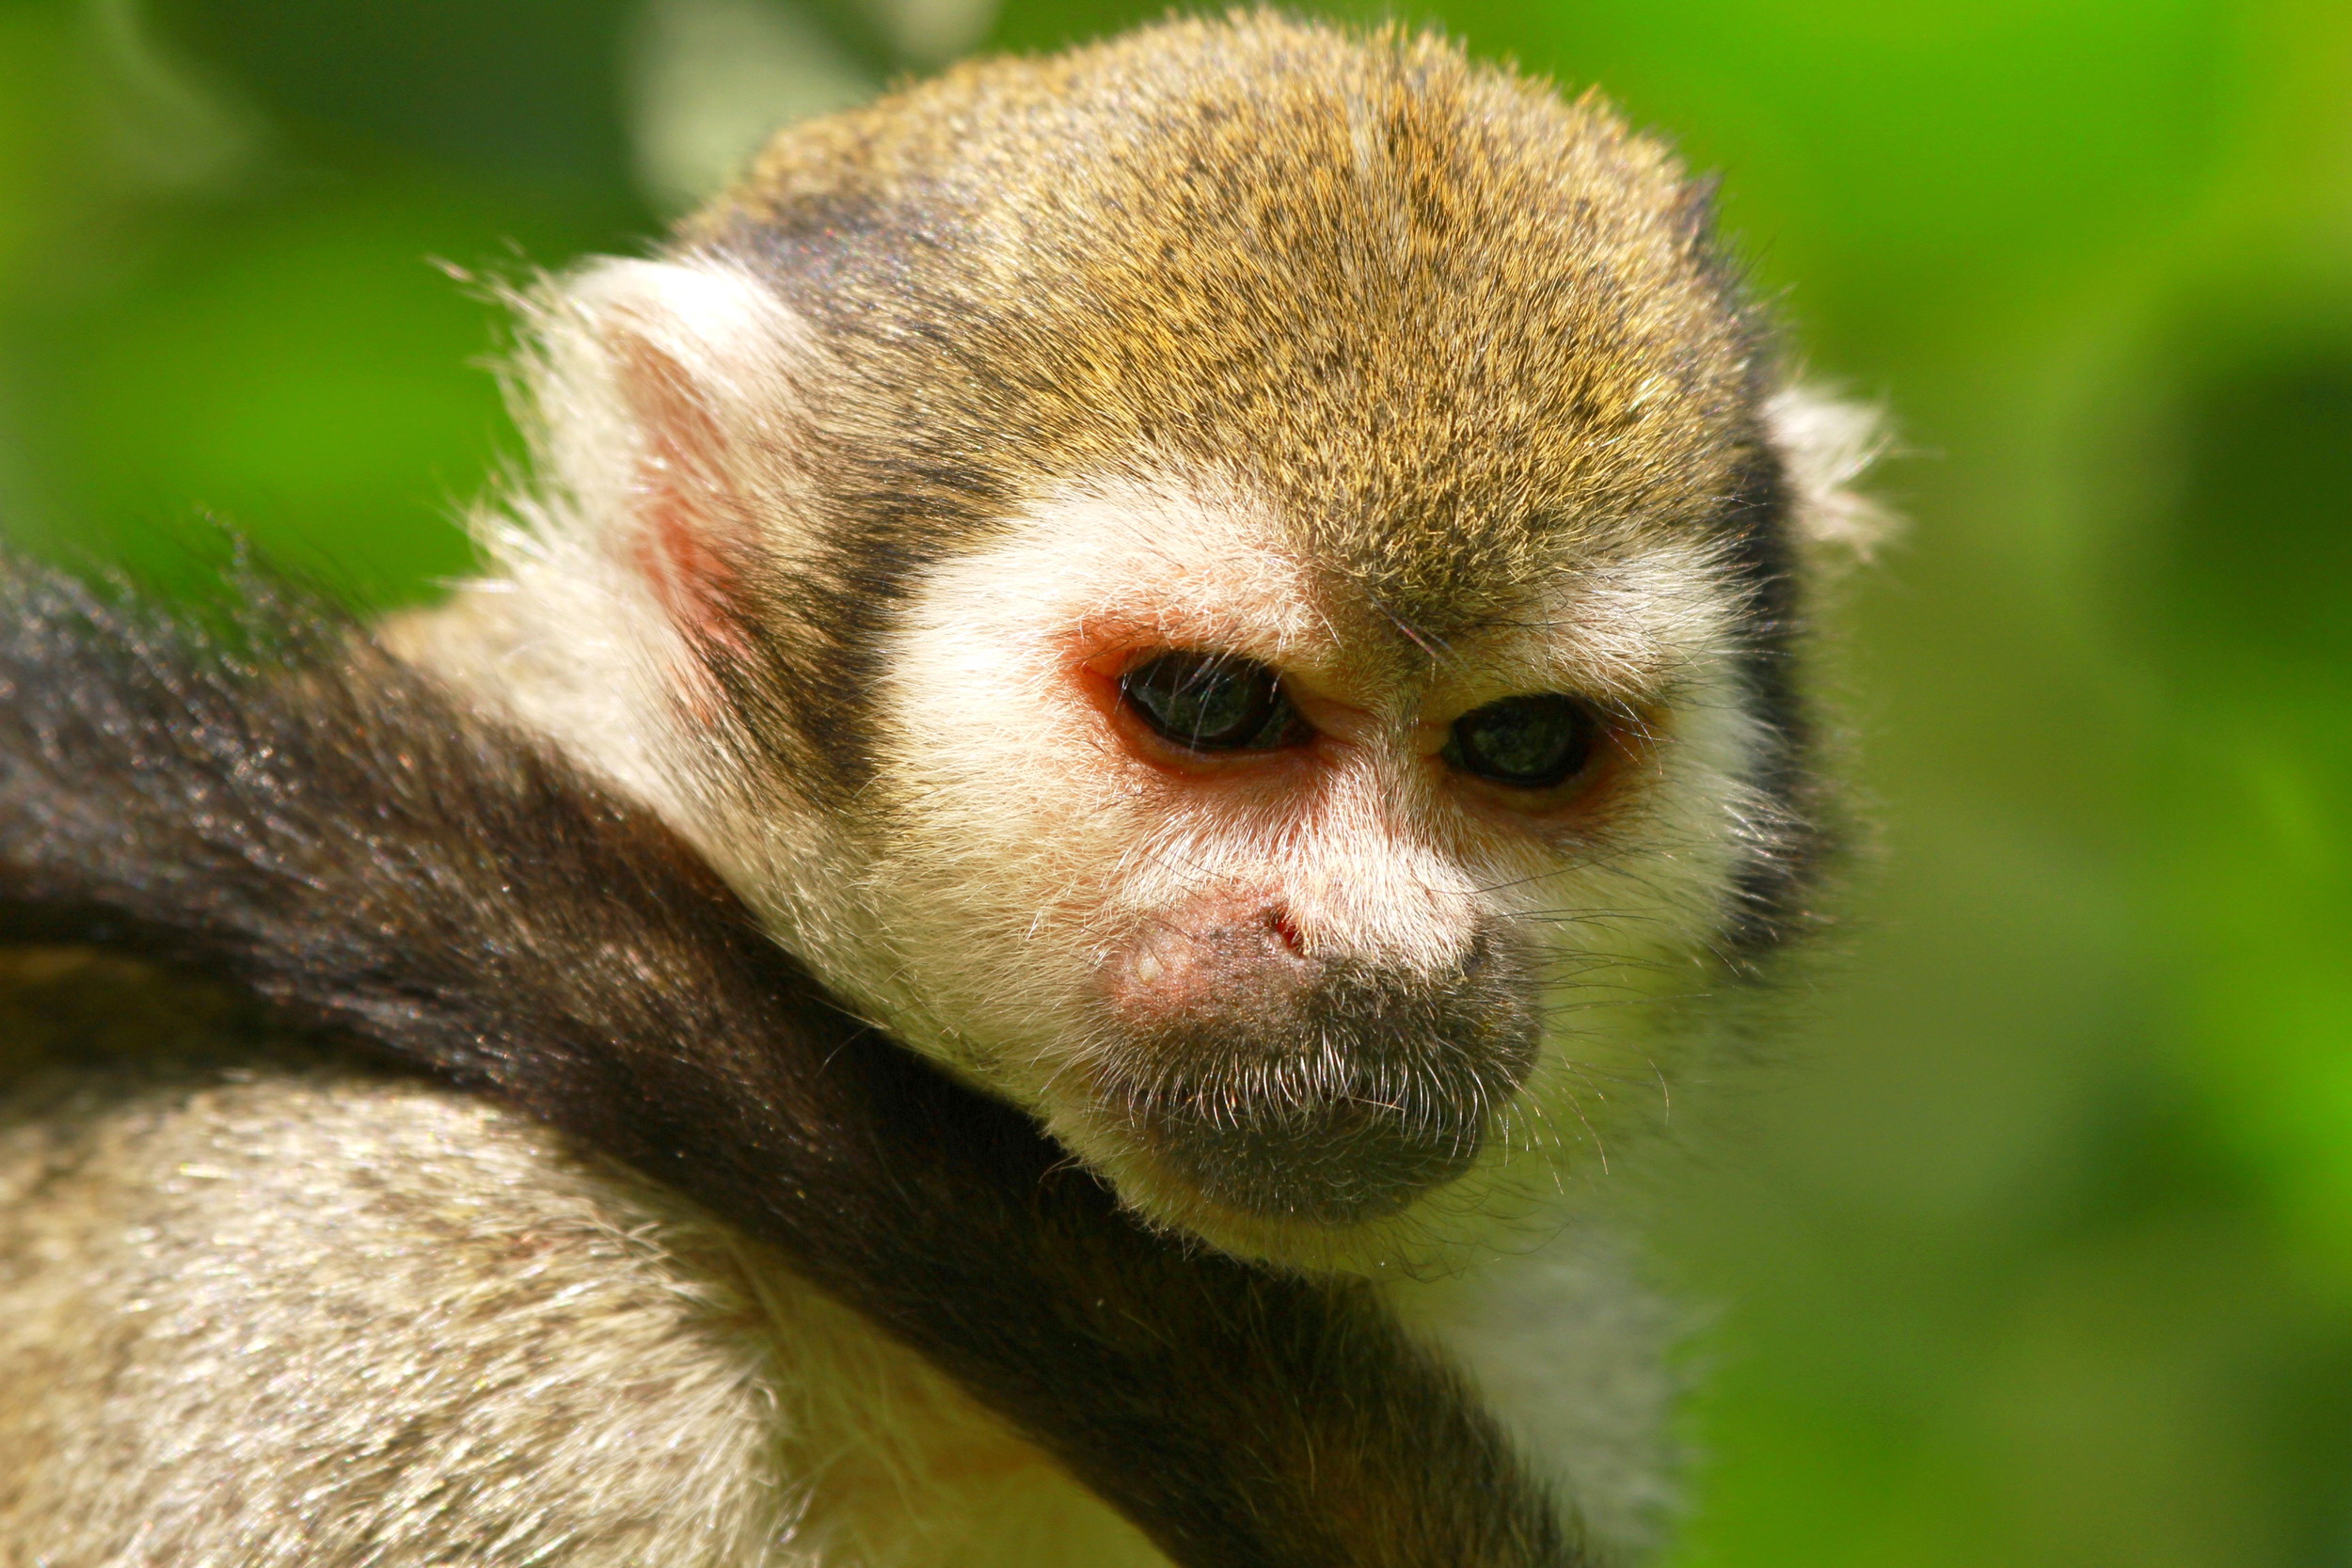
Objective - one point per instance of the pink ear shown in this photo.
(691, 531)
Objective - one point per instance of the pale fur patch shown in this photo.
(1571, 1349)
(261, 1321)
(1828, 444)
(205, 1252)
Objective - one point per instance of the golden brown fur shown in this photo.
(1434, 315)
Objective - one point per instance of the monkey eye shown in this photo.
(1212, 703)
(1536, 742)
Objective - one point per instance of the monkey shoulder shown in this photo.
(261, 1304)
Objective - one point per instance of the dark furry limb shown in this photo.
(320, 824)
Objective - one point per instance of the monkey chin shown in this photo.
(1349, 1185)
(1432, 1228)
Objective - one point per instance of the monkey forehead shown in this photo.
(1116, 563)
(1437, 314)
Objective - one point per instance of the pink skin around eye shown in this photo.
(1337, 724)
(1342, 727)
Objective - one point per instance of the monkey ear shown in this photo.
(687, 463)
(1827, 444)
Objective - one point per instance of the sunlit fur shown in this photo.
(1431, 390)
(262, 1311)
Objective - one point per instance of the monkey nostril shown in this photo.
(1285, 929)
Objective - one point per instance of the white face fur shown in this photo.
(1209, 971)
(1076, 880)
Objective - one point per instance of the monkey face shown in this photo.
(1262, 636)
(1313, 933)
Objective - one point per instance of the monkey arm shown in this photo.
(289, 807)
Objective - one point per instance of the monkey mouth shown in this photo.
(1338, 1163)
(1364, 1094)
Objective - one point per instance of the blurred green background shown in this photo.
(2042, 1255)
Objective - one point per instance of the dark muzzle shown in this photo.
(1333, 1103)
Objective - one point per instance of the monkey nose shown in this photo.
(1221, 953)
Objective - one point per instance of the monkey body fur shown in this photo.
(859, 518)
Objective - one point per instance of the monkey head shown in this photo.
(1264, 638)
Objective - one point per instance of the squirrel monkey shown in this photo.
(1237, 590)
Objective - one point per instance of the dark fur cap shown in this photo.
(1446, 322)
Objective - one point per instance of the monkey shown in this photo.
(1238, 594)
